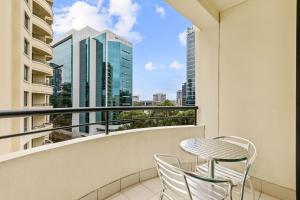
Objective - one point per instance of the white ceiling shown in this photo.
(203, 13)
(225, 4)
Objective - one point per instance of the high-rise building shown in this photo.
(179, 98)
(26, 35)
(94, 69)
(190, 63)
(183, 91)
(159, 97)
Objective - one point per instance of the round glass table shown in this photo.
(214, 150)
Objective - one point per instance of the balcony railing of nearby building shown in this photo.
(41, 104)
(41, 83)
(43, 125)
(123, 117)
(39, 37)
(43, 61)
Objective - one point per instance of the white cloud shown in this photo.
(119, 16)
(176, 65)
(182, 38)
(160, 10)
(150, 66)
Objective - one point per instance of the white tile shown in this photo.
(148, 174)
(91, 196)
(109, 190)
(155, 197)
(247, 193)
(138, 192)
(118, 196)
(267, 197)
(153, 184)
(130, 180)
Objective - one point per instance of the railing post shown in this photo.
(106, 122)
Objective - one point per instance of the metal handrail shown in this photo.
(106, 110)
(24, 113)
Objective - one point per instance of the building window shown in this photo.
(26, 21)
(26, 146)
(25, 98)
(26, 124)
(26, 73)
(26, 47)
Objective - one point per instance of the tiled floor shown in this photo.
(149, 190)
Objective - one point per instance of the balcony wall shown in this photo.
(258, 84)
(42, 66)
(41, 89)
(46, 6)
(72, 169)
(42, 24)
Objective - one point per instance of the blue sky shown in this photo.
(156, 30)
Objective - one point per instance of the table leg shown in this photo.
(211, 168)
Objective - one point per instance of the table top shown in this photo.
(214, 149)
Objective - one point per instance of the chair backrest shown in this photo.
(187, 184)
(250, 147)
(172, 177)
(244, 143)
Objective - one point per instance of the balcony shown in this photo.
(40, 126)
(43, 8)
(246, 86)
(42, 23)
(50, 2)
(41, 65)
(41, 88)
(40, 46)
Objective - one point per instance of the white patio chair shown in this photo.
(179, 184)
(238, 178)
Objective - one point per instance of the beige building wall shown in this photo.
(13, 59)
(5, 89)
(246, 81)
(207, 85)
(258, 83)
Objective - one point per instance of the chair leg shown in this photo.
(161, 196)
(252, 189)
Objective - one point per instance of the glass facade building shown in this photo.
(190, 79)
(62, 78)
(96, 71)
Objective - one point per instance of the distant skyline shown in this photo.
(156, 30)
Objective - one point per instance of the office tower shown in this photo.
(183, 90)
(159, 97)
(190, 73)
(179, 98)
(25, 37)
(93, 69)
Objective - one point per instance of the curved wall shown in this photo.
(72, 169)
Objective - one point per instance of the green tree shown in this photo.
(154, 118)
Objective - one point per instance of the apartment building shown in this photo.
(26, 35)
(93, 69)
